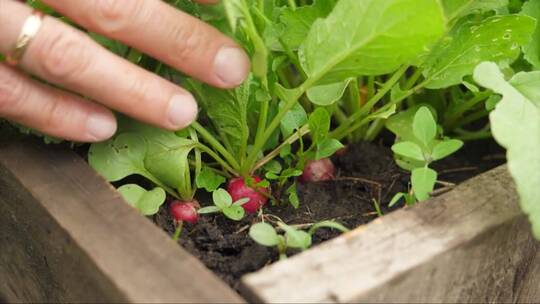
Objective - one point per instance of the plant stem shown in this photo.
(198, 159)
(217, 158)
(259, 142)
(178, 231)
(292, 5)
(289, 141)
(474, 135)
(370, 104)
(215, 144)
(456, 113)
(352, 103)
(371, 86)
(413, 79)
(158, 183)
(339, 133)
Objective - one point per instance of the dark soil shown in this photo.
(366, 172)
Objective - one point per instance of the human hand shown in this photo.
(66, 57)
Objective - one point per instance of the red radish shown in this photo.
(318, 171)
(257, 197)
(185, 211)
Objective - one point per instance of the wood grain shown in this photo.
(470, 245)
(66, 236)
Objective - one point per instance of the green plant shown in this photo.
(420, 144)
(331, 71)
(266, 235)
(223, 203)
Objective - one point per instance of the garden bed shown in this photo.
(366, 173)
(71, 237)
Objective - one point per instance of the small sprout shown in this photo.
(418, 152)
(223, 203)
(266, 235)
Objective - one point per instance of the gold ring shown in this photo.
(29, 30)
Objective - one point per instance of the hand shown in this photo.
(66, 57)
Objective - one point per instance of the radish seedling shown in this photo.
(224, 203)
(317, 64)
(266, 235)
(421, 144)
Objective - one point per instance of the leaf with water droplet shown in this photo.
(474, 42)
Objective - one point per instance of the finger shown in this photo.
(65, 56)
(166, 33)
(52, 111)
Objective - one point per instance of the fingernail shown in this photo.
(182, 110)
(231, 65)
(100, 126)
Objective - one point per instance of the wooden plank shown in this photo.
(470, 245)
(66, 236)
(530, 289)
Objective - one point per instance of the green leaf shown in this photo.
(273, 166)
(446, 148)
(532, 49)
(234, 212)
(264, 234)
(456, 9)
(327, 147)
(241, 201)
(515, 124)
(410, 150)
(401, 124)
(298, 22)
(293, 195)
(208, 210)
(293, 120)
(209, 180)
(497, 38)
(424, 126)
(396, 199)
(119, 157)
(167, 159)
(166, 156)
(147, 202)
(328, 94)
(228, 112)
(423, 182)
(296, 238)
(492, 102)
(319, 125)
(233, 9)
(370, 37)
(327, 224)
(528, 84)
(222, 199)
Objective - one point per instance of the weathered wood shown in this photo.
(530, 289)
(470, 245)
(66, 236)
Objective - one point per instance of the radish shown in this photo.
(238, 190)
(185, 211)
(318, 171)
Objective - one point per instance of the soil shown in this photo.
(366, 173)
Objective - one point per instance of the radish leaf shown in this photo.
(515, 124)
